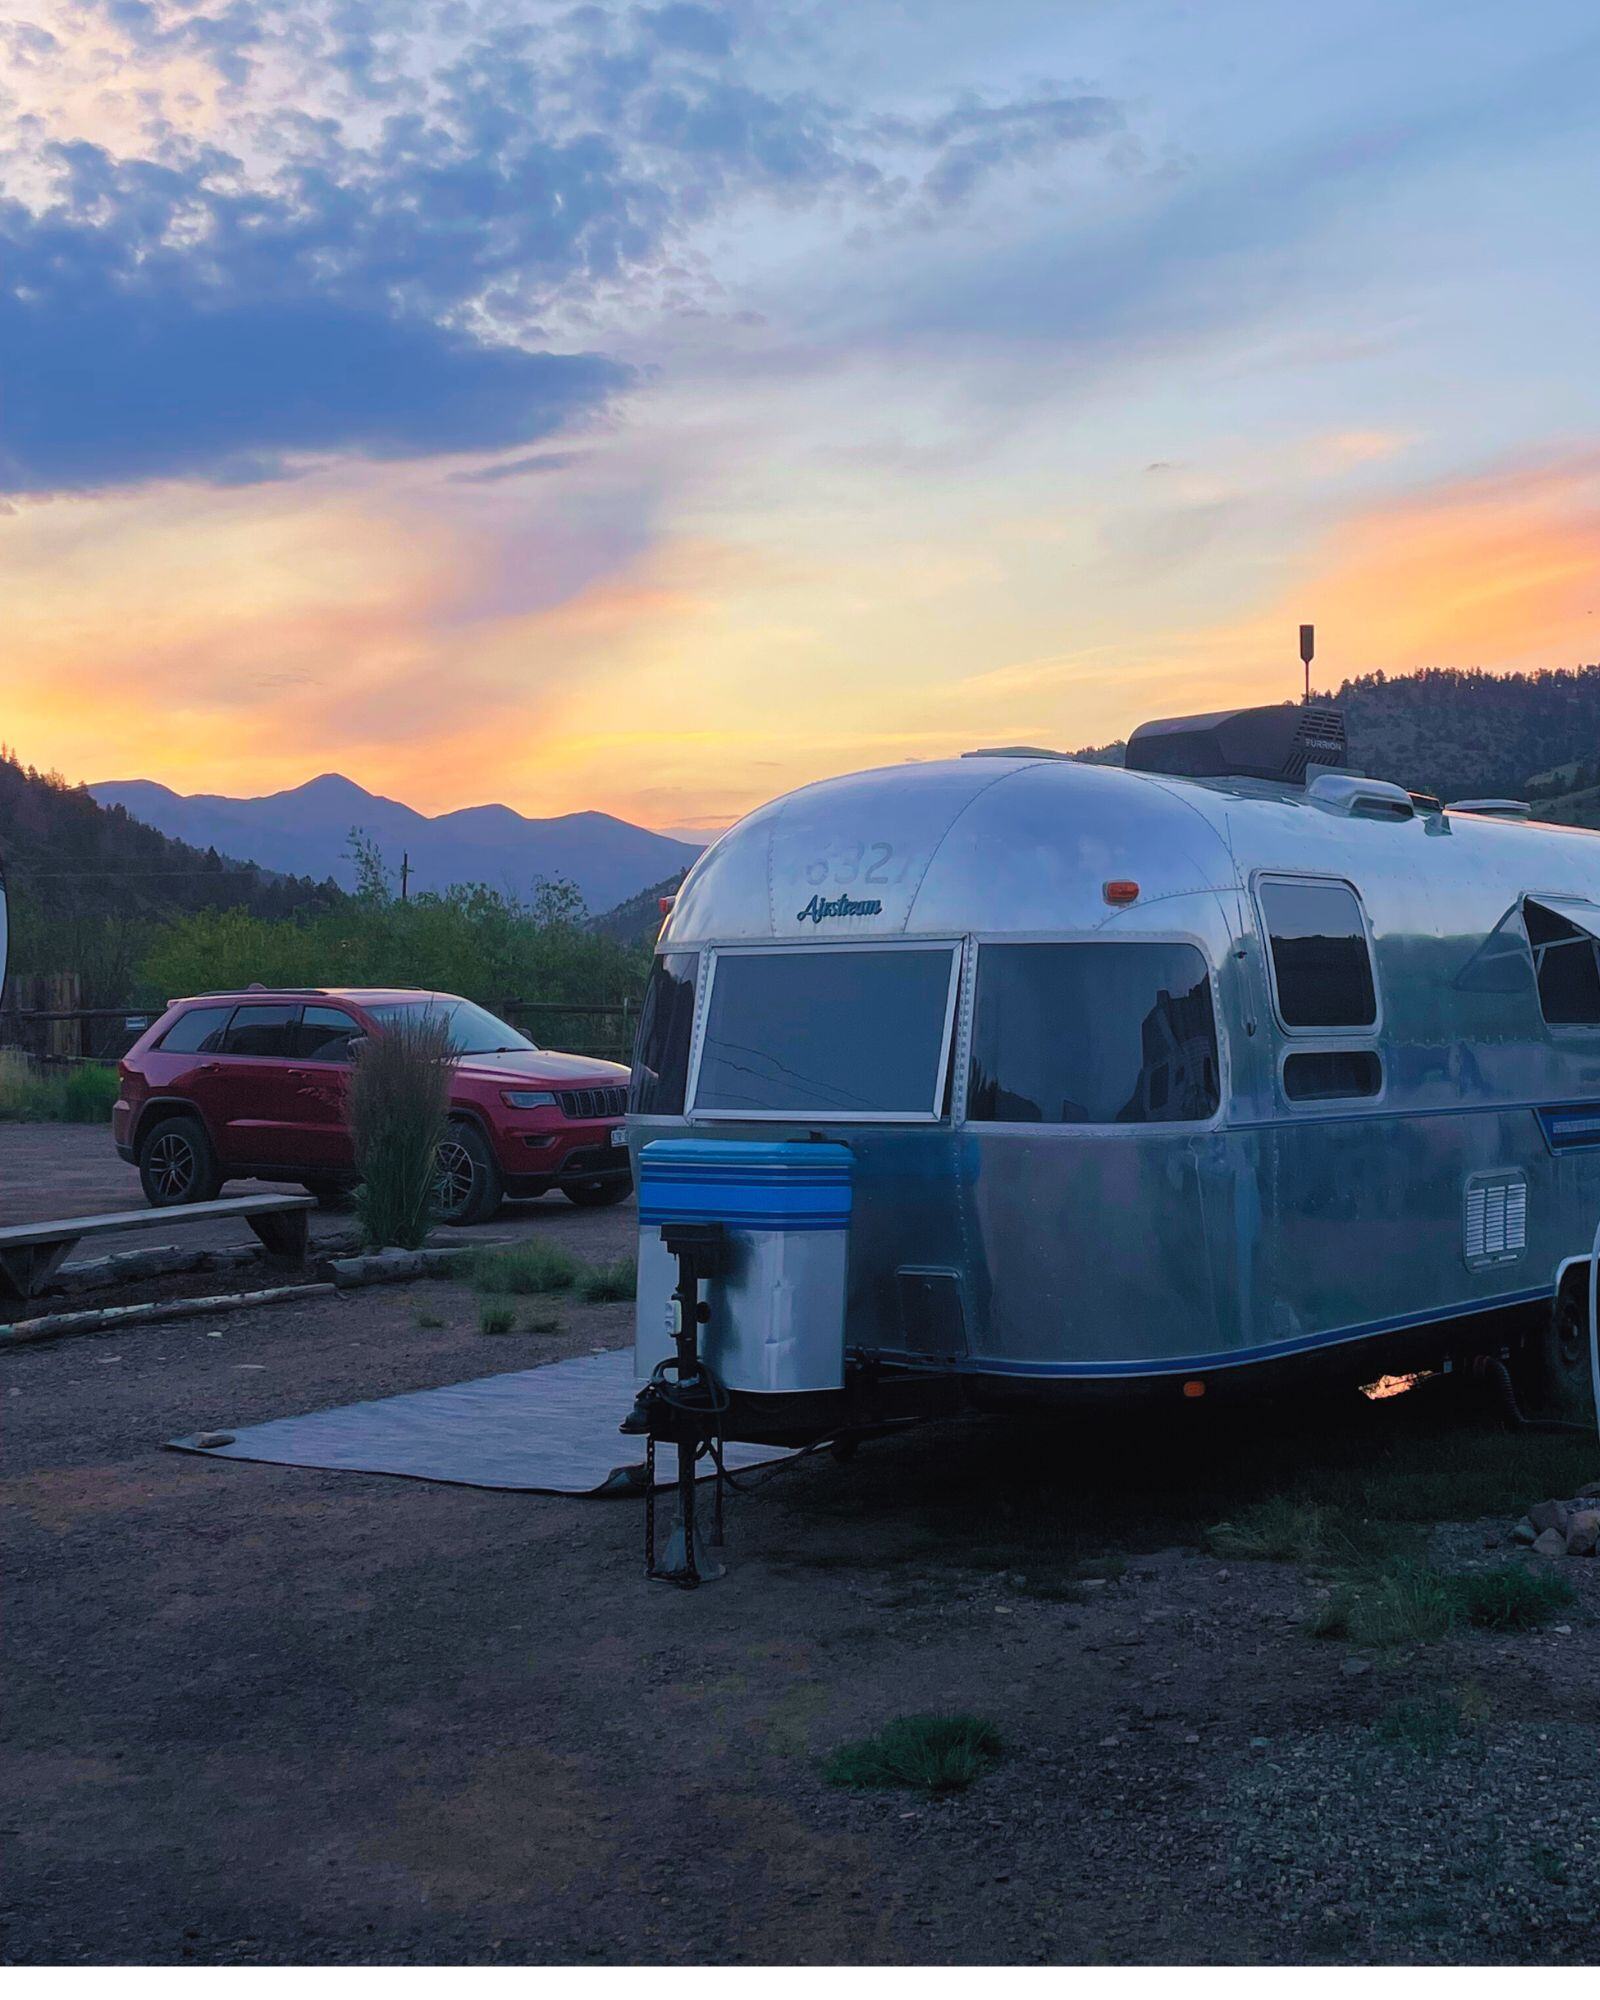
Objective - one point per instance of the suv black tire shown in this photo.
(599, 1194)
(469, 1188)
(178, 1164)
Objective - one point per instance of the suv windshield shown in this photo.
(473, 1031)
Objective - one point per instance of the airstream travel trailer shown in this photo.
(1014, 1078)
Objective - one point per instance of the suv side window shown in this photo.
(197, 1032)
(261, 1031)
(325, 1035)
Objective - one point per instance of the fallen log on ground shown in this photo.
(112, 1319)
(393, 1267)
(124, 1267)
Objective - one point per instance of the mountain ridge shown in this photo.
(305, 829)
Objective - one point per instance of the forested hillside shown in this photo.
(1471, 734)
(1462, 733)
(88, 887)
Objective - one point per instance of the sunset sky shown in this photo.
(654, 407)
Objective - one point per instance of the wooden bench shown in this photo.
(32, 1252)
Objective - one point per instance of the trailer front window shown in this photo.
(843, 1033)
(1092, 1034)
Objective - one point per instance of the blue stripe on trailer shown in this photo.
(763, 1185)
(1238, 1357)
(1571, 1128)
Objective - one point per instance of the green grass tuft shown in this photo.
(1408, 1605)
(608, 1284)
(928, 1753)
(1405, 1606)
(495, 1318)
(543, 1322)
(1509, 1597)
(1426, 1725)
(531, 1270)
(428, 1322)
(525, 1270)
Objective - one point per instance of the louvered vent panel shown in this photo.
(1495, 1220)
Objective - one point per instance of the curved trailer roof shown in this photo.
(1026, 843)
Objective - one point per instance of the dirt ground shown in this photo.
(257, 1714)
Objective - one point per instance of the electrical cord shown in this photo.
(1506, 1389)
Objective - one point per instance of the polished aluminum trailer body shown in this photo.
(1053, 1249)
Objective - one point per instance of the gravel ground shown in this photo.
(257, 1714)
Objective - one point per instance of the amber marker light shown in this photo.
(1194, 1390)
(1117, 893)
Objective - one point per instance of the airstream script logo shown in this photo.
(840, 906)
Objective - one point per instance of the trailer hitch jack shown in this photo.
(682, 1404)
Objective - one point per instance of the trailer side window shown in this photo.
(1322, 1073)
(666, 1024)
(1566, 957)
(1321, 964)
(1092, 1034)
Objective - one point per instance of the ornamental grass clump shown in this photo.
(925, 1753)
(399, 1094)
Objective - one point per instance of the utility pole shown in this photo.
(405, 859)
(1308, 647)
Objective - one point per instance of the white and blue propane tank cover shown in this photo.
(776, 1323)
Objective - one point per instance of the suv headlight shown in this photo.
(528, 1100)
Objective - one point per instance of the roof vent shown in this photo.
(1360, 798)
(1278, 743)
(1493, 808)
(1022, 750)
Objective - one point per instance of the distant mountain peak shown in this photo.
(305, 829)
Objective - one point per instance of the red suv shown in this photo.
(243, 1086)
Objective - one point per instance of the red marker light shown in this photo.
(1117, 893)
(666, 903)
(1193, 1390)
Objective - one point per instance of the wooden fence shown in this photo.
(604, 1031)
(41, 1017)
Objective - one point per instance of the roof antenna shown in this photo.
(1308, 647)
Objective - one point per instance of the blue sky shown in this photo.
(652, 407)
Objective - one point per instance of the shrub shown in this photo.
(929, 1753)
(544, 1322)
(81, 1095)
(398, 1096)
(1509, 1598)
(493, 1318)
(88, 1093)
(24, 1091)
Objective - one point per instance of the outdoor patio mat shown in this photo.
(539, 1430)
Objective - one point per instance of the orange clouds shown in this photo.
(419, 639)
(1502, 570)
